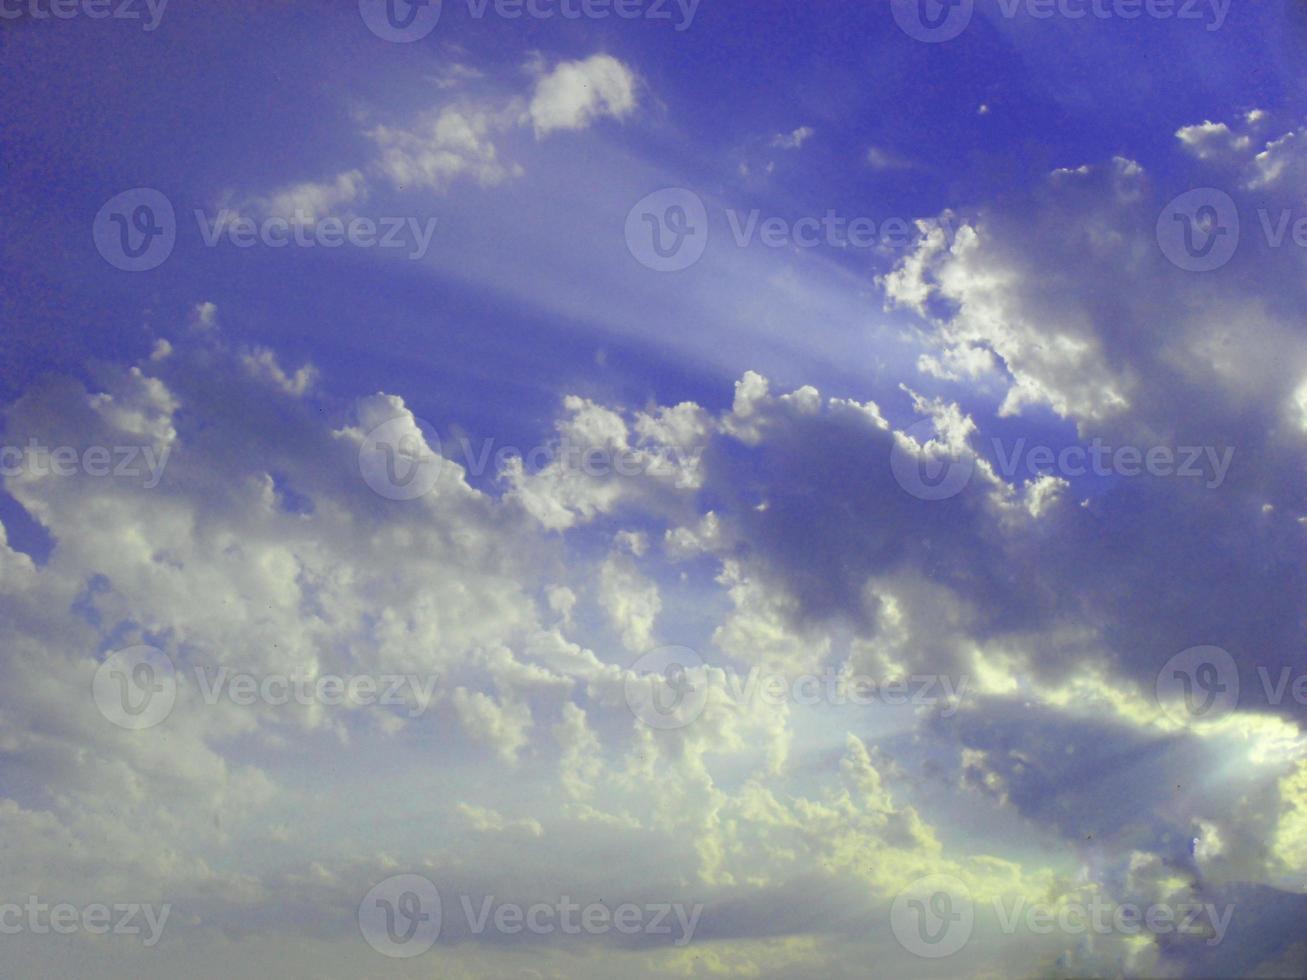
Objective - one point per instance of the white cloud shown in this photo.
(793, 140)
(576, 93)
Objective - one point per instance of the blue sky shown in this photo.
(752, 348)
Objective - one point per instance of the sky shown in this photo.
(646, 488)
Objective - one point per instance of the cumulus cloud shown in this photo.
(457, 140)
(794, 139)
(576, 93)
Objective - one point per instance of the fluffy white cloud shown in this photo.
(576, 93)
(456, 141)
